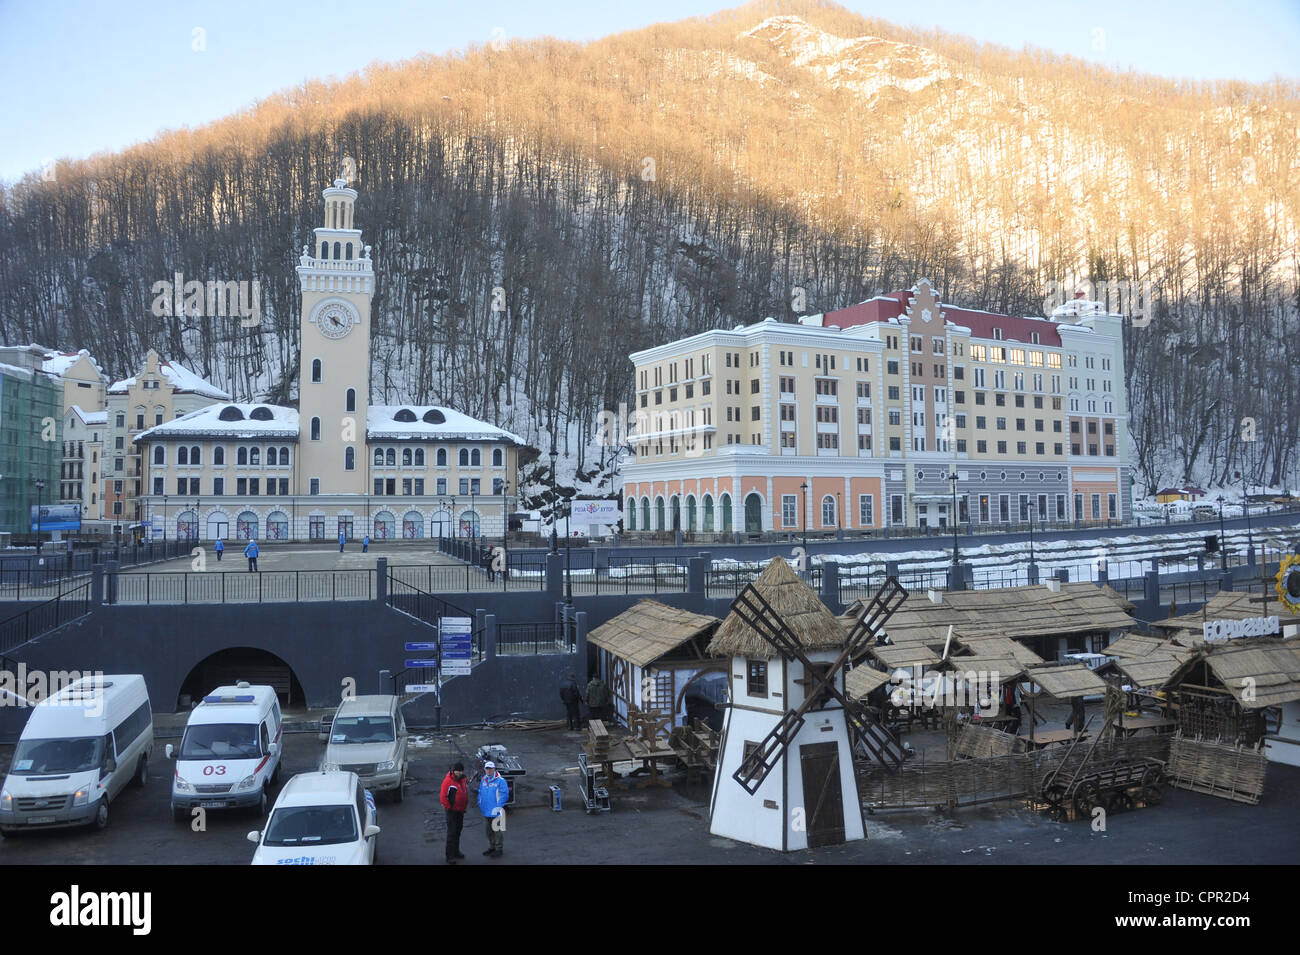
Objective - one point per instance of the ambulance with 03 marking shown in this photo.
(230, 753)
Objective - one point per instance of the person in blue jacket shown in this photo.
(493, 794)
(342, 540)
(251, 553)
(220, 548)
(365, 544)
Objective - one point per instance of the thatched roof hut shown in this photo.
(648, 630)
(1258, 672)
(1066, 682)
(813, 626)
(860, 681)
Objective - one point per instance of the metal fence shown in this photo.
(271, 586)
(534, 638)
(32, 576)
(43, 618)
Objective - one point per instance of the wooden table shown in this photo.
(1051, 738)
(1157, 724)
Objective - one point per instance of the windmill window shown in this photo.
(814, 673)
(757, 678)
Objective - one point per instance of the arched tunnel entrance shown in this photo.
(241, 663)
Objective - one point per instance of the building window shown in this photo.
(789, 510)
(349, 459)
(158, 485)
(351, 399)
(314, 486)
(315, 370)
(315, 429)
(756, 678)
(218, 486)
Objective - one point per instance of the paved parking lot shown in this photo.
(666, 826)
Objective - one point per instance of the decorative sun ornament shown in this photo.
(1288, 582)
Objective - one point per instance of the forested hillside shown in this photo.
(538, 211)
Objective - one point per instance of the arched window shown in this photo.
(351, 399)
(277, 526)
(498, 459)
(160, 455)
(241, 455)
(195, 457)
(390, 457)
(284, 457)
(347, 251)
(464, 457)
(182, 455)
(406, 457)
(324, 250)
(412, 525)
(631, 513)
(828, 511)
(349, 459)
(315, 429)
(690, 513)
(659, 513)
(419, 457)
(707, 526)
(726, 513)
(645, 513)
(337, 251)
(379, 457)
(254, 456)
(315, 369)
(246, 526)
(384, 525)
(476, 458)
(272, 457)
(219, 455)
(442, 457)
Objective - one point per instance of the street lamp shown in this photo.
(568, 554)
(1223, 539)
(956, 557)
(40, 500)
(455, 528)
(555, 544)
(164, 518)
(505, 527)
(194, 535)
(1030, 506)
(803, 518)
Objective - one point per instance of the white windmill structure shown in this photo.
(785, 775)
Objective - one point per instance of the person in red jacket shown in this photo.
(455, 800)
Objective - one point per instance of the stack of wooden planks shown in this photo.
(976, 741)
(697, 748)
(598, 741)
(1227, 770)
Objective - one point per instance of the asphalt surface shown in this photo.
(670, 826)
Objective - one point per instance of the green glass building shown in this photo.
(31, 446)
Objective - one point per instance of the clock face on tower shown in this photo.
(334, 319)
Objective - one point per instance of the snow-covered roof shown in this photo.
(58, 363)
(91, 417)
(431, 423)
(16, 371)
(181, 379)
(228, 421)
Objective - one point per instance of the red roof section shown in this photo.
(884, 307)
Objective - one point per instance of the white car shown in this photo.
(323, 818)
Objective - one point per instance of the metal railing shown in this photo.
(424, 606)
(41, 619)
(519, 639)
(215, 587)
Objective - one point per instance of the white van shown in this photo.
(230, 752)
(79, 749)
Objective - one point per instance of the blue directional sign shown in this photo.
(413, 647)
(417, 664)
(455, 635)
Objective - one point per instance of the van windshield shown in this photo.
(35, 757)
(362, 729)
(220, 741)
(311, 826)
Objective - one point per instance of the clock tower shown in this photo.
(337, 284)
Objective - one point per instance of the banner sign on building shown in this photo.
(596, 512)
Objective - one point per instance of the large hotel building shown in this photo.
(857, 418)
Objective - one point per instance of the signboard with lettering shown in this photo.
(56, 517)
(596, 512)
(1220, 631)
(457, 642)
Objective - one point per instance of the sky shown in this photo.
(81, 78)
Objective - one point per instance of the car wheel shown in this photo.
(400, 792)
(142, 775)
(100, 822)
(263, 804)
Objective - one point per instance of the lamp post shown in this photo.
(505, 527)
(164, 518)
(956, 557)
(1223, 540)
(1030, 507)
(803, 518)
(475, 525)
(195, 534)
(568, 554)
(555, 543)
(455, 527)
(40, 500)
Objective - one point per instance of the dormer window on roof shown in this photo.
(261, 414)
(231, 413)
(434, 416)
(405, 415)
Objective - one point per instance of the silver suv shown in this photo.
(368, 737)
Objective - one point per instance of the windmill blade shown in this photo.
(758, 765)
(752, 607)
(875, 614)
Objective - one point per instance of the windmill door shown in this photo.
(822, 794)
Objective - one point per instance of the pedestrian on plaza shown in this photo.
(571, 697)
(251, 553)
(365, 544)
(486, 557)
(493, 794)
(597, 697)
(220, 548)
(342, 540)
(455, 800)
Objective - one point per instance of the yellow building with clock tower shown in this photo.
(336, 464)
